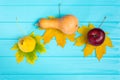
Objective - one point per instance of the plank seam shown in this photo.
(14, 39)
(107, 57)
(61, 74)
(79, 22)
(69, 4)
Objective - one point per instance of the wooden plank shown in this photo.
(61, 66)
(12, 30)
(24, 13)
(60, 77)
(55, 51)
(36, 2)
(84, 13)
(93, 13)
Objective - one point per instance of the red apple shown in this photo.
(96, 36)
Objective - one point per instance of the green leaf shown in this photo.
(31, 57)
(32, 34)
(51, 17)
(19, 56)
(38, 38)
(41, 28)
(40, 48)
(15, 47)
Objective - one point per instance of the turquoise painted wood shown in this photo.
(68, 51)
(58, 63)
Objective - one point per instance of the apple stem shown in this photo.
(102, 22)
(59, 6)
(21, 30)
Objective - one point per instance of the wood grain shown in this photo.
(61, 66)
(59, 77)
(84, 13)
(53, 50)
(14, 30)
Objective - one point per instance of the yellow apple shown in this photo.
(27, 44)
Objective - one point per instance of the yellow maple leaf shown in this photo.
(60, 37)
(100, 51)
(80, 41)
(108, 42)
(88, 50)
(31, 56)
(71, 37)
(19, 56)
(48, 35)
(15, 47)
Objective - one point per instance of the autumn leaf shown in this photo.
(59, 36)
(48, 35)
(88, 49)
(51, 17)
(71, 37)
(40, 48)
(91, 26)
(83, 30)
(19, 56)
(108, 42)
(100, 51)
(80, 41)
(31, 57)
(38, 38)
(15, 47)
(32, 34)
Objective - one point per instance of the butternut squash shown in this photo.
(67, 24)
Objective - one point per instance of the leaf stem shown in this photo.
(20, 29)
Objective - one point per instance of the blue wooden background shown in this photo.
(59, 63)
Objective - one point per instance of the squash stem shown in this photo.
(59, 6)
